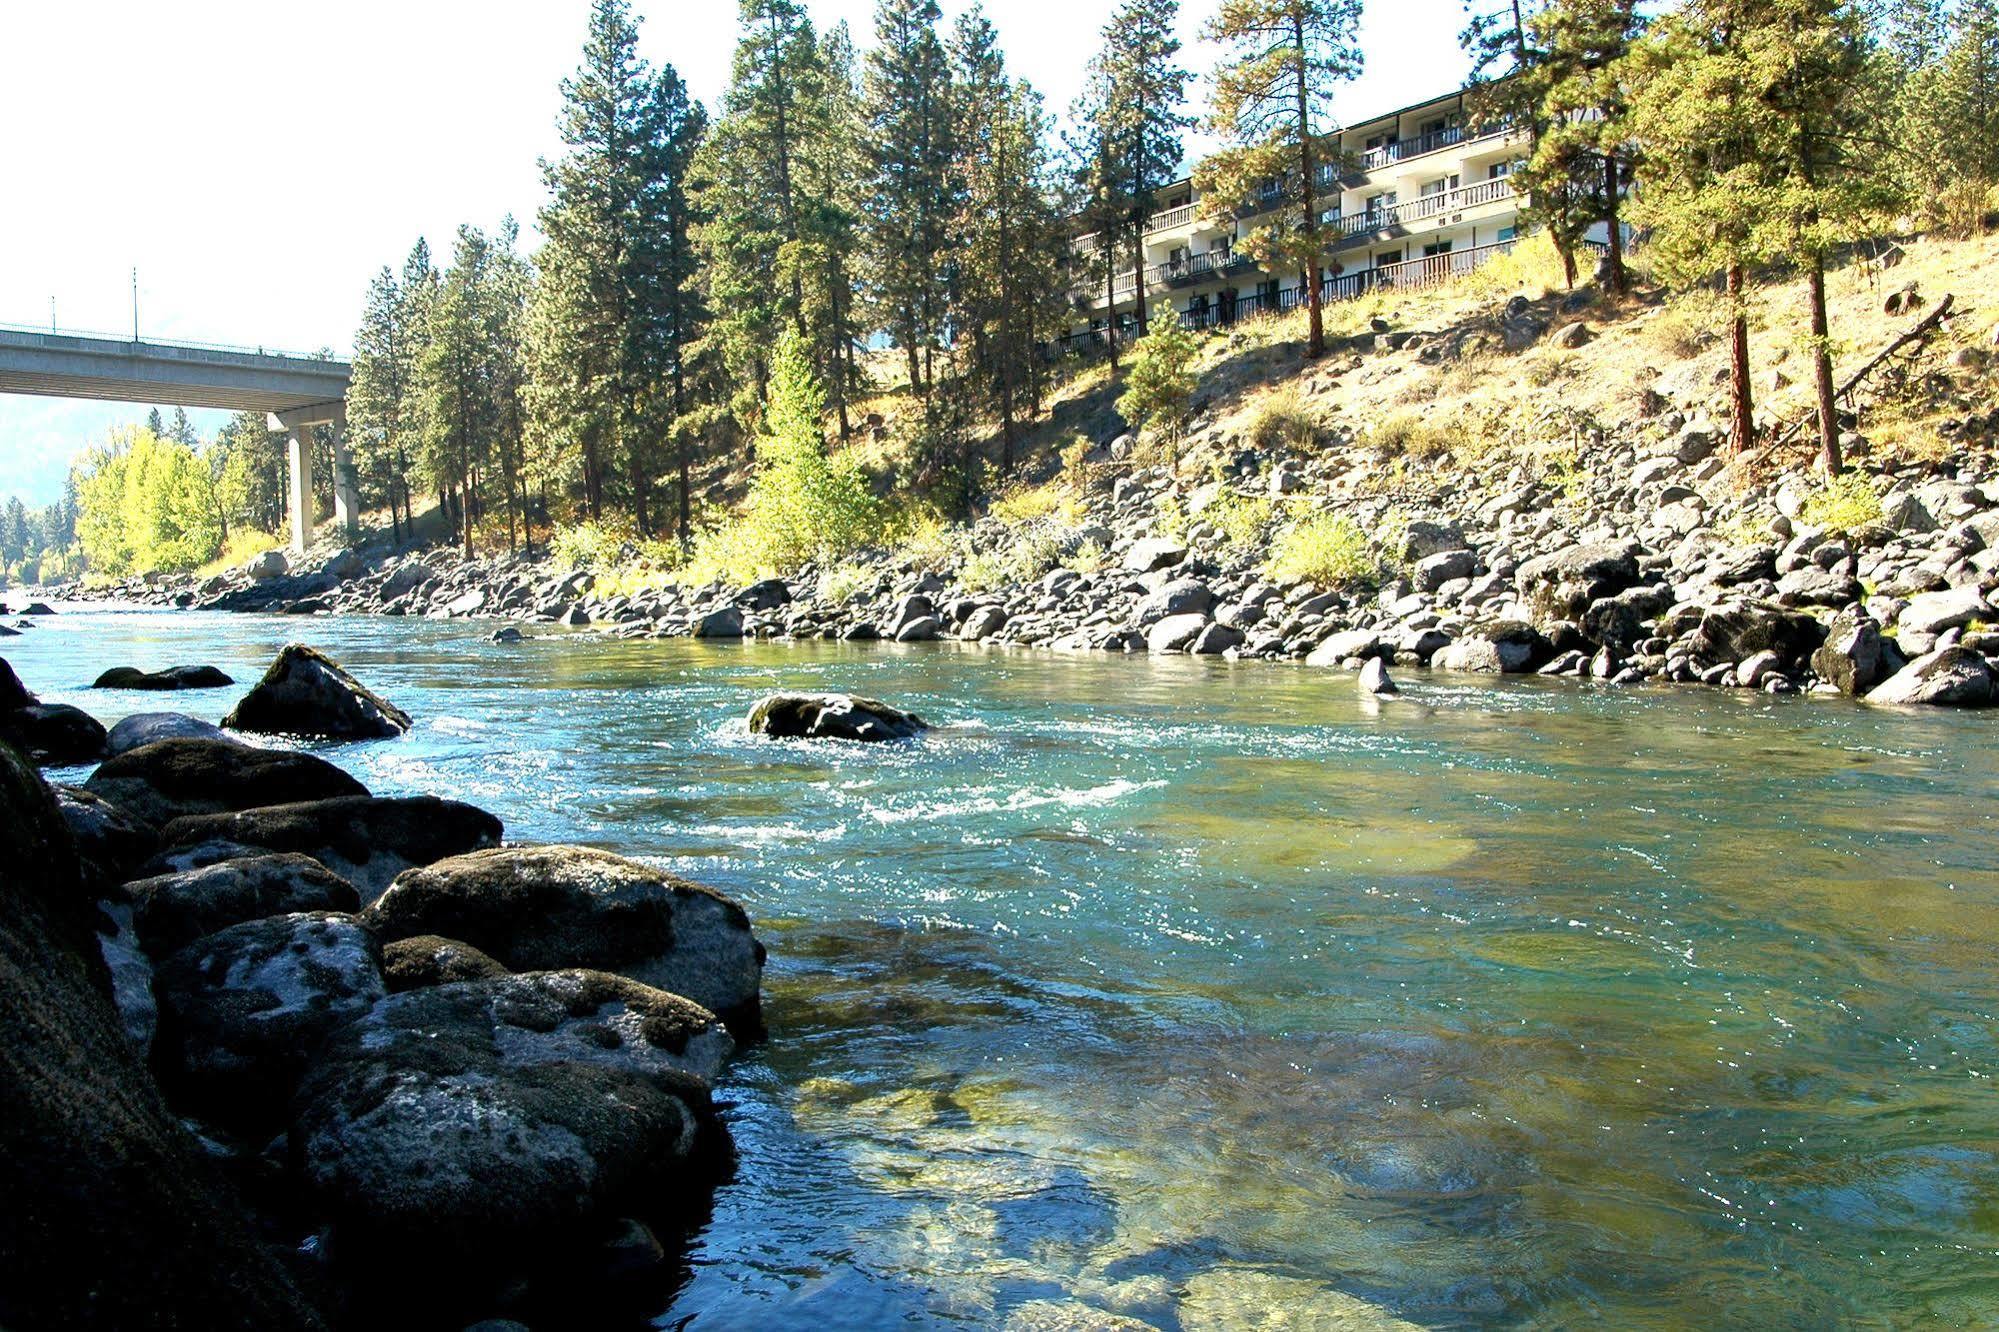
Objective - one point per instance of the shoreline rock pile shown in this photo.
(409, 1071)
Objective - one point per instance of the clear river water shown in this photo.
(1212, 996)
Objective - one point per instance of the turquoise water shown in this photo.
(1211, 996)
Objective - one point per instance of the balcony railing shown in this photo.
(1404, 149)
(1172, 217)
(1195, 267)
(1410, 274)
(1373, 220)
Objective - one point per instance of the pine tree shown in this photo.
(455, 386)
(610, 318)
(1098, 188)
(1583, 154)
(751, 194)
(1272, 103)
(1915, 32)
(911, 198)
(1947, 122)
(1146, 87)
(381, 411)
(1010, 243)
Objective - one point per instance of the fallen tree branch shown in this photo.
(1917, 331)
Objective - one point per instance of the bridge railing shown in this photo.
(168, 346)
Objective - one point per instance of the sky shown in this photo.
(257, 163)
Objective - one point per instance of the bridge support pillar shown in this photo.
(301, 488)
(346, 488)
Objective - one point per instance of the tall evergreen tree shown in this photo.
(1146, 88)
(610, 316)
(1272, 104)
(1103, 207)
(911, 199)
(1009, 239)
(1582, 156)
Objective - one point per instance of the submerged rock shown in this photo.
(171, 779)
(173, 677)
(243, 1009)
(173, 910)
(365, 840)
(538, 908)
(145, 728)
(467, 1123)
(305, 692)
(833, 717)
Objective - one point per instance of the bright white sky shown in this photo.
(258, 162)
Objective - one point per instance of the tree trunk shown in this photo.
(1822, 371)
(1110, 301)
(1316, 346)
(1740, 391)
(1620, 281)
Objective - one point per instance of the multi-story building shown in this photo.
(1416, 195)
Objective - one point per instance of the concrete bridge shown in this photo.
(297, 392)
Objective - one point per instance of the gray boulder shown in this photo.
(1851, 658)
(110, 842)
(13, 694)
(1433, 571)
(1951, 676)
(539, 908)
(724, 623)
(1150, 553)
(243, 1009)
(365, 840)
(170, 779)
(171, 911)
(305, 692)
(1374, 681)
(1953, 608)
(1175, 633)
(1182, 596)
(1337, 649)
(145, 728)
(1214, 640)
(458, 1126)
(833, 717)
(983, 622)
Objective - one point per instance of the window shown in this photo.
(1437, 126)
(1499, 170)
(1387, 257)
(1441, 185)
(1507, 234)
(1436, 248)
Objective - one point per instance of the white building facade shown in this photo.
(1418, 195)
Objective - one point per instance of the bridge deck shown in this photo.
(71, 365)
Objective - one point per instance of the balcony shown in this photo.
(1376, 221)
(1404, 149)
(1172, 217)
(1196, 268)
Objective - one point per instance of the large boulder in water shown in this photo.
(171, 911)
(490, 1121)
(147, 728)
(171, 779)
(13, 694)
(1737, 631)
(112, 1218)
(54, 735)
(173, 677)
(243, 1009)
(1951, 676)
(305, 692)
(833, 717)
(537, 908)
(365, 840)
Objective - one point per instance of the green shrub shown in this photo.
(1240, 518)
(1846, 504)
(1328, 549)
(841, 583)
(983, 572)
(1088, 558)
(1285, 420)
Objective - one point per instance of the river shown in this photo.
(1213, 995)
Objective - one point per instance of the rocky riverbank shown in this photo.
(279, 1052)
(1656, 562)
